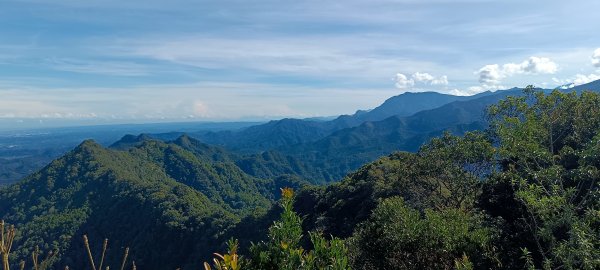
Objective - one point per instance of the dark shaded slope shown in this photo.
(113, 194)
(269, 135)
(223, 182)
(591, 86)
(266, 165)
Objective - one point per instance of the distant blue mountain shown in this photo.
(288, 132)
(317, 149)
(347, 149)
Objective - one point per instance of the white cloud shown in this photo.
(440, 81)
(576, 80)
(596, 58)
(533, 65)
(469, 91)
(422, 77)
(215, 101)
(491, 75)
(201, 109)
(459, 92)
(427, 78)
(583, 79)
(332, 57)
(419, 79)
(403, 82)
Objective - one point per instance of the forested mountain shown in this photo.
(317, 150)
(331, 157)
(407, 104)
(346, 150)
(23, 152)
(272, 134)
(415, 117)
(151, 193)
(266, 165)
(523, 193)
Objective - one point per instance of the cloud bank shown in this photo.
(580, 79)
(493, 74)
(418, 80)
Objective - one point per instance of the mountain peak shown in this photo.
(130, 140)
(185, 140)
(88, 144)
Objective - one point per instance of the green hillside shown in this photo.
(521, 194)
(151, 194)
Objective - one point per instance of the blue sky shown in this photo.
(143, 61)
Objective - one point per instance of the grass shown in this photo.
(7, 237)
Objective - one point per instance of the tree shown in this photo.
(548, 150)
(283, 249)
(400, 237)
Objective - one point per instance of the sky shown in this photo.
(182, 60)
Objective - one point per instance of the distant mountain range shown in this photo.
(333, 148)
(330, 146)
(288, 132)
(174, 198)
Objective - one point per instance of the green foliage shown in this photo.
(522, 194)
(463, 263)
(399, 237)
(157, 198)
(283, 250)
(445, 173)
(531, 177)
(548, 151)
(229, 261)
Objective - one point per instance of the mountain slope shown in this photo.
(272, 165)
(408, 104)
(345, 150)
(168, 205)
(288, 132)
(444, 111)
(269, 135)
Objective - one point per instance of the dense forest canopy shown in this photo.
(522, 193)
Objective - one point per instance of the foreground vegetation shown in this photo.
(523, 193)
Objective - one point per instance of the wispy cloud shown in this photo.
(210, 100)
(115, 68)
(366, 58)
(218, 59)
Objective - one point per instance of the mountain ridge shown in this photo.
(289, 131)
(157, 188)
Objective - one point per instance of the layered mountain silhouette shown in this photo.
(174, 200)
(287, 132)
(333, 148)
